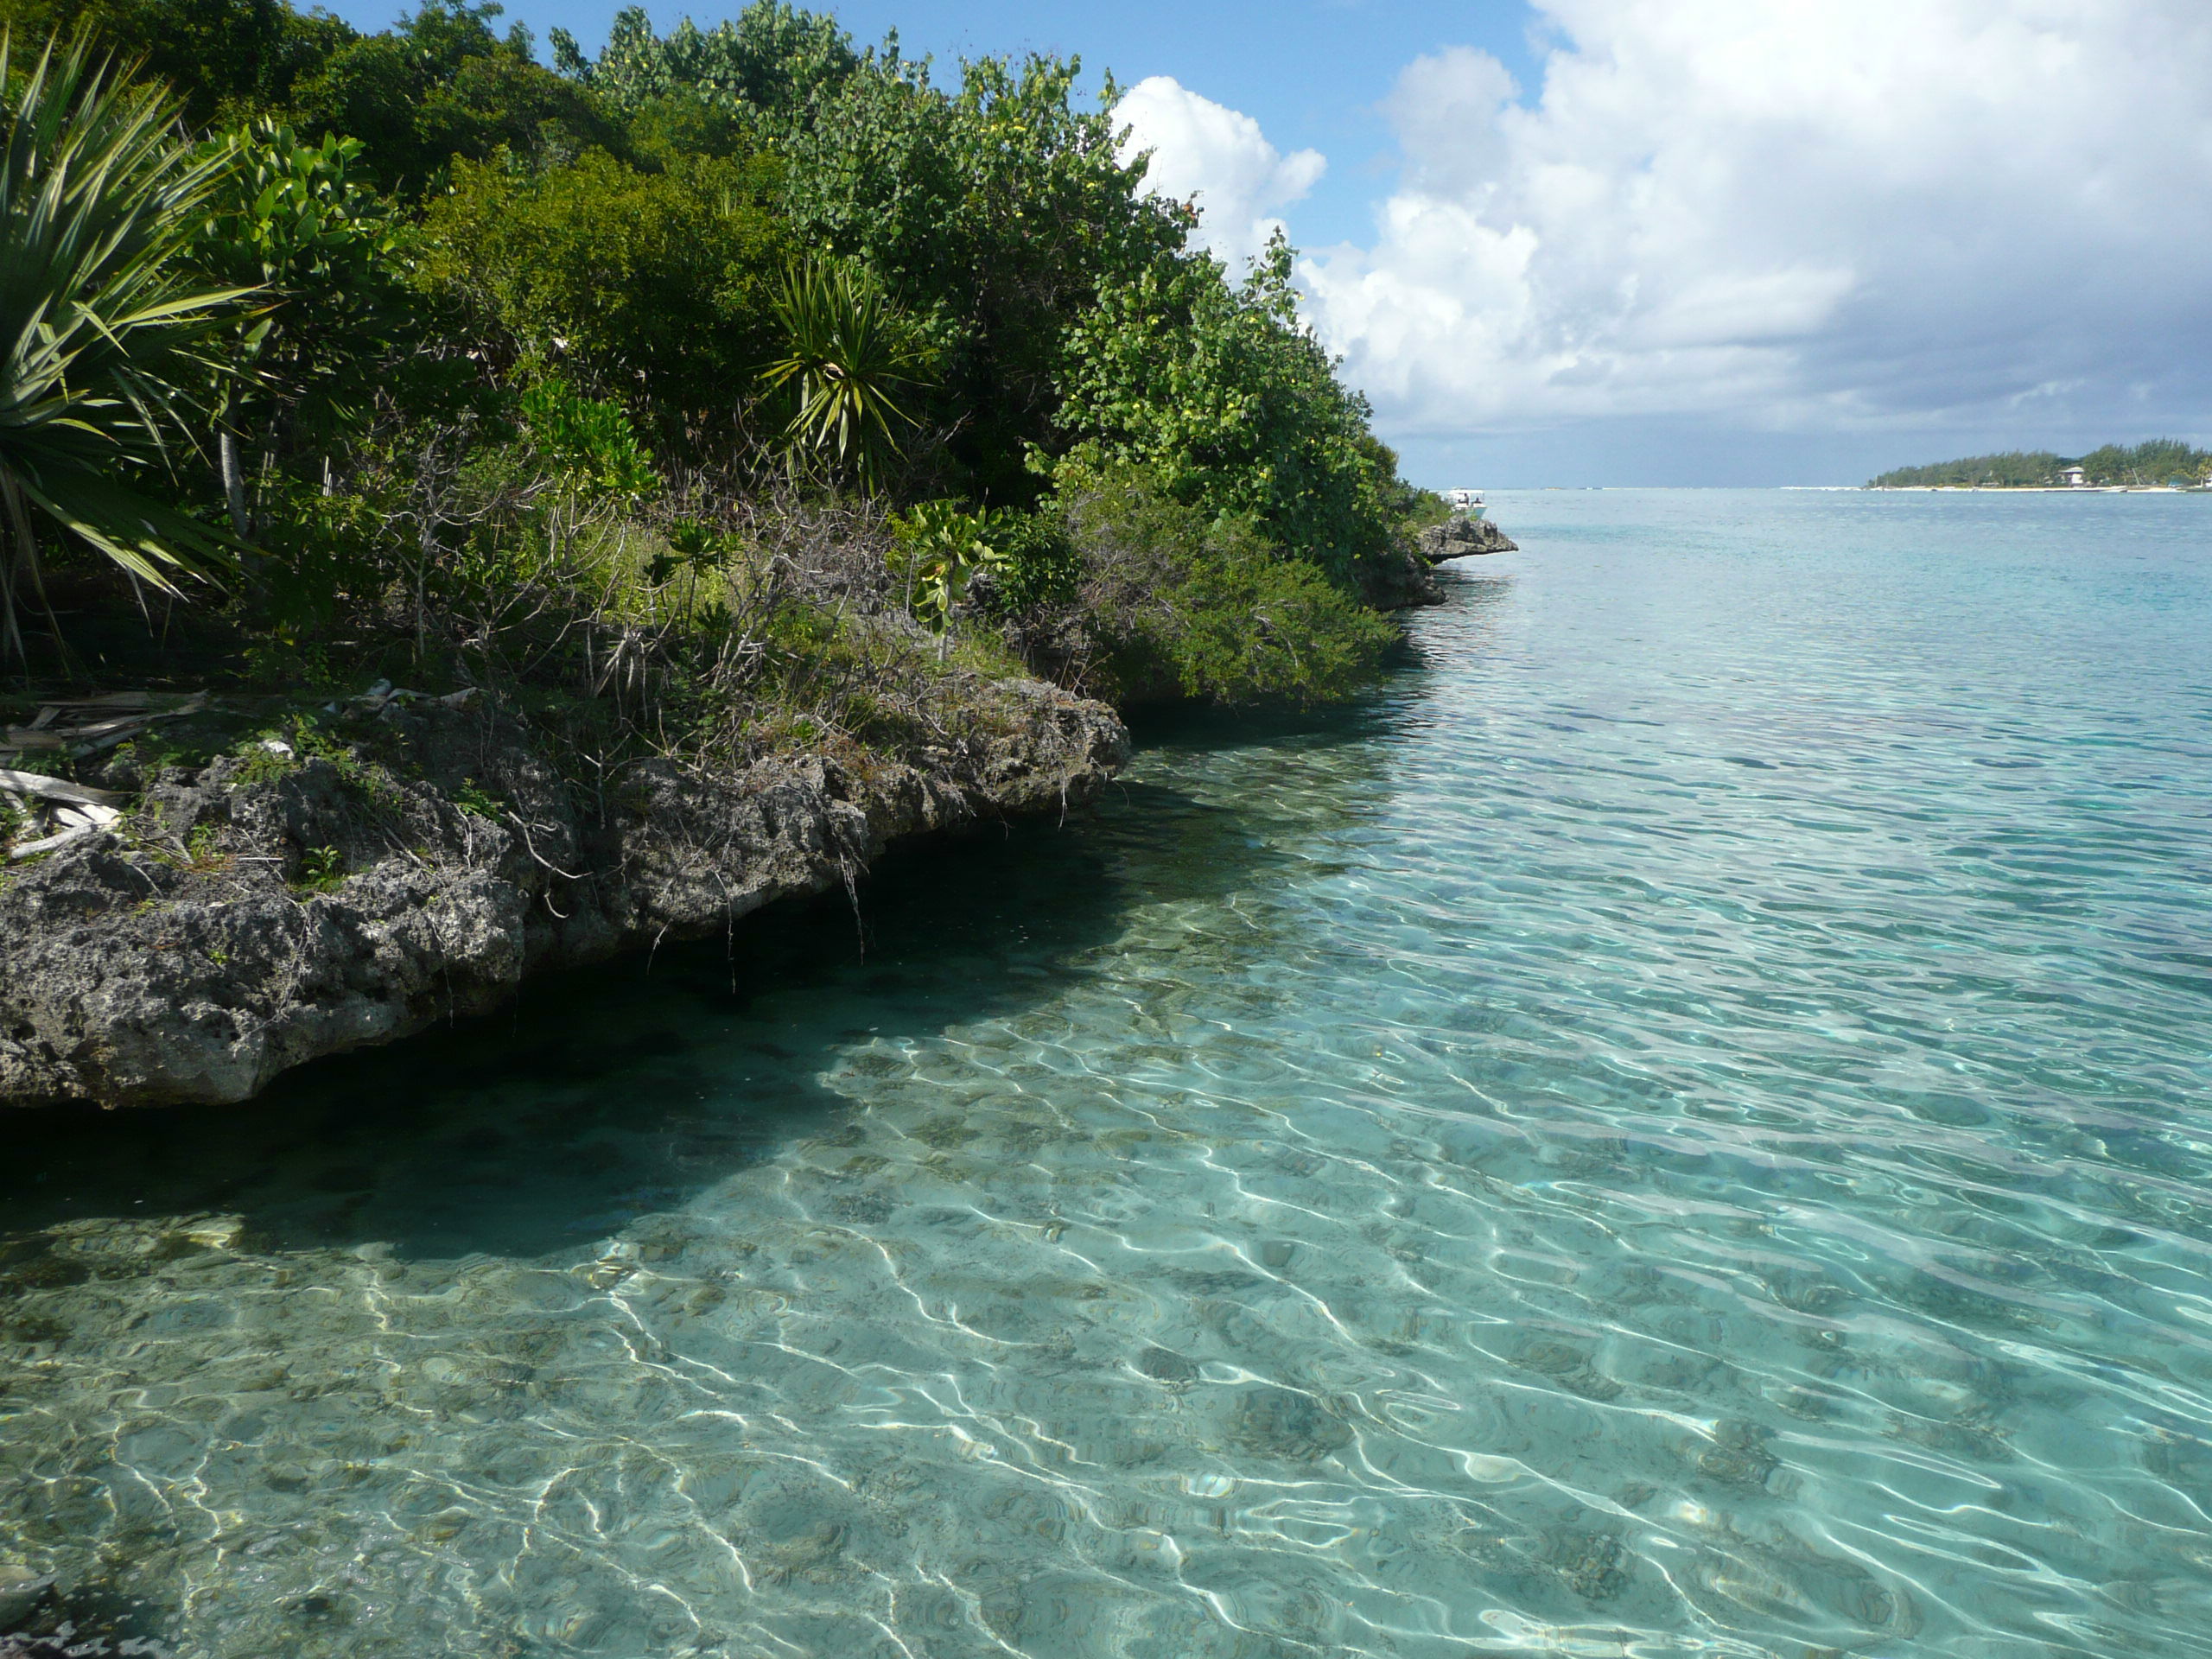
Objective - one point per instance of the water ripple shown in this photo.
(1680, 1129)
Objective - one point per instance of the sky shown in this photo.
(1694, 242)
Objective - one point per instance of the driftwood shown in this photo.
(56, 789)
(72, 811)
(116, 718)
(58, 811)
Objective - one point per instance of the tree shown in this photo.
(998, 212)
(1224, 399)
(110, 339)
(289, 219)
(994, 212)
(658, 284)
(442, 84)
(773, 59)
(228, 60)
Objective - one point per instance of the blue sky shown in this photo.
(1312, 75)
(1697, 242)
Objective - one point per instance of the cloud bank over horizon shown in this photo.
(1900, 216)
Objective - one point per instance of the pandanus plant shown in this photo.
(109, 344)
(848, 356)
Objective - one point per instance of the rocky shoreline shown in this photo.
(1460, 538)
(417, 858)
(267, 909)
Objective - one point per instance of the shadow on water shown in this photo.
(608, 1093)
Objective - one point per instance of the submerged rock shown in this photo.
(1459, 538)
(246, 918)
(21, 1591)
(1166, 1365)
(1287, 1423)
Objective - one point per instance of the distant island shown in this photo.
(2157, 461)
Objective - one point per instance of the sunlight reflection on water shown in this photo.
(1679, 1130)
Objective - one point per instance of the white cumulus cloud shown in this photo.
(1799, 215)
(1205, 152)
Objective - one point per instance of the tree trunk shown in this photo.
(226, 443)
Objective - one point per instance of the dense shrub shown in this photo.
(227, 60)
(658, 284)
(441, 85)
(1182, 604)
(1232, 406)
(994, 209)
(524, 353)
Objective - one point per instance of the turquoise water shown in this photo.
(1679, 1128)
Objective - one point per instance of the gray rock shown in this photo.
(231, 928)
(1459, 538)
(21, 1593)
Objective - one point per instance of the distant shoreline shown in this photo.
(2033, 489)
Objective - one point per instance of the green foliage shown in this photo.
(1255, 626)
(1026, 561)
(322, 869)
(847, 356)
(266, 758)
(940, 549)
(2015, 469)
(322, 547)
(202, 855)
(2158, 460)
(685, 124)
(772, 58)
(658, 281)
(109, 339)
(587, 442)
(227, 60)
(292, 219)
(1186, 605)
(1231, 406)
(999, 211)
(515, 416)
(164, 746)
(472, 796)
(279, 751)
(1408, 505)
(994, 212)
(1036, 567)
(442, 84)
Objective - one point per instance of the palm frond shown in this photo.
(108, 342)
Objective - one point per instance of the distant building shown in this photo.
(2072, 478)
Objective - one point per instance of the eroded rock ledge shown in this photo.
(253, 914)
(1459, 538)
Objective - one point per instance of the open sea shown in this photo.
(1681, 1126)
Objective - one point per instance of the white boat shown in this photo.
(1468, 503)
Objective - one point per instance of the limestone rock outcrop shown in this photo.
(248, 916)
(1459, 538)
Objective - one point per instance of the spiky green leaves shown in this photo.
(107, 341)
(848, 356)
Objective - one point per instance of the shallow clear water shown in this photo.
(1681, 1128)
